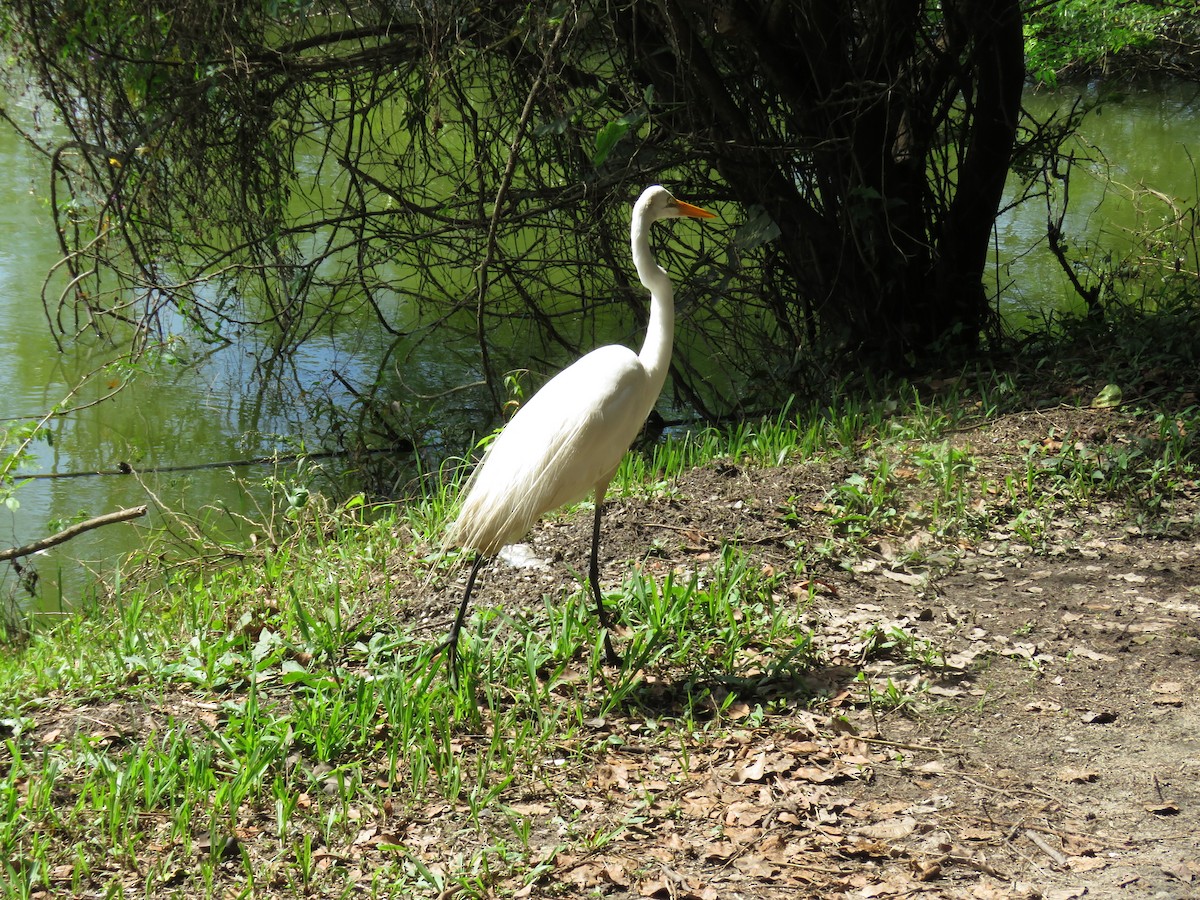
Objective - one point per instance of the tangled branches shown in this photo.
(458, 175)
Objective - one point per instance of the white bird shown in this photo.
(568, 439)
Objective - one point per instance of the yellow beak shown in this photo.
(686, 209)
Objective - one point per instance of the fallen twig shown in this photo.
(979, 865)
(1042, 844)
(74, 531)
(902, 745)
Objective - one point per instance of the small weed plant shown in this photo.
(215, 730)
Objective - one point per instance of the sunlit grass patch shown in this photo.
(274, 725)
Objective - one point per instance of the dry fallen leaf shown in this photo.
(656, 887)
(775, 848)
(745, 813)
(1078, 845)
(1085, 652)
(1129, 578)
(890, 829)
(584, 875)
(1077, 776)
(1186, 871)
(1170, 693)
(614, 872)
(986, 891)
(963, 659)
(531, 809)
(610, 775)
(780, 763)
(1043, 706)
(938, 690)
(751, 771)
(1162, 809)
(1072, 893)
(698, 806)
(813, 774)
(717, 852)
(926, 869)
(755, 866)
(741, 836)
(908, 578)
(868, 850)
(738, 710)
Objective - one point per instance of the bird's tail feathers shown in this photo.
(490, 516)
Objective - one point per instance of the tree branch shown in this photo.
(493, 225)
(74, 531)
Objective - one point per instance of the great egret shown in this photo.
(568, 439)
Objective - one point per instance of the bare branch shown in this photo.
(121, 515)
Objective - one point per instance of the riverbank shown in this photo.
(942, 642)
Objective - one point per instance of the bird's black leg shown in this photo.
(610, 654)
(450, 645)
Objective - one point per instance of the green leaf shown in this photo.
(606, 139)
(554, 126)
(758, 229)
(1110, 396)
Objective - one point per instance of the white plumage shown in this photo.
(555, 450)
(568, 439)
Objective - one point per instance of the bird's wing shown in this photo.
(564, 442)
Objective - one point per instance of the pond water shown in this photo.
(182, 416)
(171, 422)
(1137, 168)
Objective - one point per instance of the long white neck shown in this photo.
(656, 349)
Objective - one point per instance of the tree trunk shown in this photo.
(997, 59)
(870, 105)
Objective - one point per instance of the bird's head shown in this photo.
(657, 202)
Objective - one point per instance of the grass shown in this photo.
(268, 729)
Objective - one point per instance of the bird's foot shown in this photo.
(611, 656)
(450, 647)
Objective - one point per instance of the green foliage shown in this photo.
(866, 502)
(466, 189)
(290, 703)
(15, 441)
(1066, 37)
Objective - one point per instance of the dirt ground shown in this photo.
(991, 716)
(1051, 749)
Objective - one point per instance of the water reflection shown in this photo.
(227, 406)
(1139, 147)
